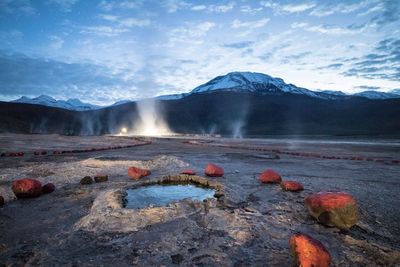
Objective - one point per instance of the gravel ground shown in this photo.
(251, 227)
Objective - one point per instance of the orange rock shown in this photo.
(188, 172)
(213, 170)
(137, 173)
(333, 209)
(26, 188)
(270, 176)
(309, 252)
(291, 186)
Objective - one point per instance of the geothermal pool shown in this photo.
(162, 195)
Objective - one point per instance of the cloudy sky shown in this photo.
(104, 51)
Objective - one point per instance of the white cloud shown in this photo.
(222, 8)
(65, 5)
(103, 30)
(126, 22)
(289, 8)
(173, 6)
(56, 42)
(191, 33)
(324, 29)
(214, 8)
(293, 8)
(250, 10)
(17, 6)
(345, 8)
(249, 24)
(108, 5)
(199, 8)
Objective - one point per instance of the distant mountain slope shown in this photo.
(377, 95)
(250, 82)
(223, 112)
(70, 104)
(257, 114)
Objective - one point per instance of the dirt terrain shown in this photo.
(249, 226)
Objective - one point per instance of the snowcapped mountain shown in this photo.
(333, 92)
(395, 91)
(233, 81)
(377, 95)
(265, 84)
(71, 104)
(258, 83)
(121, 102)
(171, 97)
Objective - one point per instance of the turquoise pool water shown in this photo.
(162, 195)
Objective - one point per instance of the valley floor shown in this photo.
(251, 228)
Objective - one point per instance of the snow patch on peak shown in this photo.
(377, 95)
(44, 100)
(332, 92)
(251, 82)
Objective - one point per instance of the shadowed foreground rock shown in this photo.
(309, 252)
(27, 188)
(291, 186)
(270, 176)
(188, 172)
(337, 209)
(213, 170)
(48, 188)
(100, 178)
(137, 173)
(86, 180)
(1, 201)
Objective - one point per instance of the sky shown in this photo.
(105, 51)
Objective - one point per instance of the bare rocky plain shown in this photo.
(249, 225)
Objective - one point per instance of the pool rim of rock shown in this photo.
(108, 212)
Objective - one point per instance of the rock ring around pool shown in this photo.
(109, 212)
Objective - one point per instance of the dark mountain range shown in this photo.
(234, 104)
(220, 112)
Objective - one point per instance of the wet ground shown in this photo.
(251, 227)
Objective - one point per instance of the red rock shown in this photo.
(56, 152)
(291, 186)
(270, 176)
(213, 170)
(309, 252)
(48, 188)
(36, 153)
(2, 201)
(137, 173)
(188, 172)
(333, 209)
(26, 188)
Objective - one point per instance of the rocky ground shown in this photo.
(249, 226)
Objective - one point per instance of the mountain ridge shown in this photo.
(253, 82)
